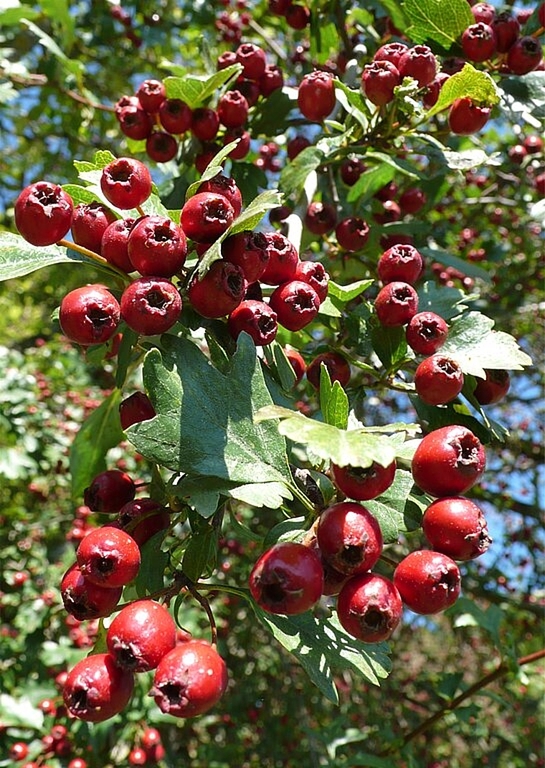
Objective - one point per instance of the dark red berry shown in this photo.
(296, 304)
(109, 490)
(351, 169)
(219, 291)
(108, 556)
(85, 600)
(420, 63)
(320, 218)
(18, 751)
(206, 216)
(316, 95)
(89, 315)
(465, 117)
(391, 52)
(157, 246)
(378, 81)
(492, 388)
(271, 80)
(363, 483)
(448, 461)
(205, 123)
(189, 680)
(97, 689)
(248, 250)
(456, 526)
(349, 537)
(479, 42)
(432, 91)
(142, 518)
(134, 122)
(313, 273)
(297, 16)
(352, 233)
(297, 362)
(114, 243)
(232, 109)
(137, 756)
(244, 142)
(283, 259)
(134, 409)
(151, 94)
(524, 55)
(483, 12)
(253, 60)
(296, 145)
(412, 200)
(256, 318)
(226, 186)
(369, 607)
(426, 333)
(438, 379)
(287, 579)
(140, 635)
(506, 29)
(125, 182)
(89, 222)
(175, 116)
(161, 147)
(43, 213)
(400, 263)
(337, 366)
(151, 305)
(396, 304)
(428, 582)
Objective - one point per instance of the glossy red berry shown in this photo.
(283, 259)
(232, 109)
(296, 304)
(206, 216)
(161, 147)
(140, 635)
(287, 578)
(157, 246)
(43, 213)
(352, 233)
(378, 81)
(493, 387)
(431, 92)
(190, 679)
(175, 116)
(524, 55)
(137, 756)
(400, 263)
(297, 362)
(396, 304)
(226, 186)
(18, 751)
(253, 60)
(466, 117)
(89, 222)
(248, 250)
(89, 315)
(316, 95)
(320, 218)
(483, 12)
(349, 537)
(151, 305)
(351, 169)
(109, 490)
(478, 42)
(205, 123)
(337, 366)
(438, 379)
(448, 461)
(125, 182)
(114, 244)
(134, 122)
(142, 518)
(420, 63)
(271, 80)
(219, 291)
(134, 409)
(426, 333)
(313, 273)
(507, 29)
(412, 200)
(363, 483)
(85, 600)
(297, 16)
(369, 607)
(108, 556)
(457, 527)
(151, 94)
(150, 738)
(257, 319)
(97, 689)
(428, 582)
(391, 52)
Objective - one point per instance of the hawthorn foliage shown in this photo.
(238, 450)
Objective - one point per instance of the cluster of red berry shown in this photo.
(346, 544)
(190, 676)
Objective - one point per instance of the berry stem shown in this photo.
(99, 260)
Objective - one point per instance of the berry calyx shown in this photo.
(457, 527)
(438, 379)
(151, 305)
(157, 246)
(89, 315)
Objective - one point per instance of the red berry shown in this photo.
(253, 60)
(256, 318)
(219, 291)
(428, 582)
(283, 259)
(533, 144)
(391, 52)
(89, 315)
(249, 89)
(134, 121)
(337, 366)
(426, 333)
(151, 94)
(108, 556)
(479, 42)
(189, 680)
(396, 304)
(351, 170)
(506, 29)
(369, 607)
(140, 635)
(85, 600)
(143, 518)
(109, 490)
(465, 117)
(448, 461)
(205, 123)
(150, 738)
(18, 751)
(400, 263)
(226, 186)
(316, 95)
(297, 16)
(352, 233)
(151, 305)
(524, 55)
(161, 147)
(232, 109)
(483, 12)
(89, 222)
(432, 91)
(175, 116)
(96, 689)
(492, 388)
(287, 579)
(363, 483)
(114, 243)
(296, 145)
(438, 379)
(378, 81)
(137, 756)
(157, 246)
(456, 526)
(296, 304)
(320, 218)
(349, 537)
(313, 273)
(206, 216)
(43, 213)
(248, 250)
(134, 409)
(125, 182)
(420, 63)
(412, 200)
(297, 363)
(243, 146)
(271, 80)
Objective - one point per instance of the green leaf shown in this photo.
(200, 555)
(322, 647)
(448, 302)
(20, 713)
(469, 83)
(392, 511)
(204, 423)
(294, 175)
(333, 401)
(389, 343)
(440, 20)
(196, 90)
(270, 117)
(324, 39)
(152, 567)
(472, 342)
(271, 495)
(99, 432)
(356, 448)
(212, 169)
(347, 293)
(201, 493)
(73, 67)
